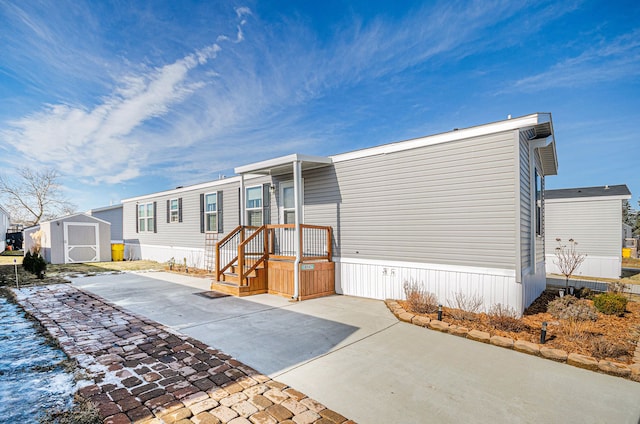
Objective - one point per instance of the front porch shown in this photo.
(271, 259)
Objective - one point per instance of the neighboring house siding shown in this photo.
(113, 216)
(595, 225)
(450, 203)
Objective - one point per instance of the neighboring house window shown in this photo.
(146, 222)
(538, 203)
(211, 212)
(254, 206)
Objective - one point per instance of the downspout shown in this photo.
(297, 201)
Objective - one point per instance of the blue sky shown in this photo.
(131, 97)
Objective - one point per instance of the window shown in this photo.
(288, 204)
(538, 203)
(211, 212)
(145, 217)
(254, 206)
(173, 210)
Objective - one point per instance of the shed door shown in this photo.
(81, 242)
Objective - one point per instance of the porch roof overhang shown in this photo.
(282, 165)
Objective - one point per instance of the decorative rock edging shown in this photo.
(631, 372)
(146, 373)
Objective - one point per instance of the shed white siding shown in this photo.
(595, 224)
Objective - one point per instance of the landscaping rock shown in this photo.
(438, 325)
(479, 336)
(458, 330)
(421, 321)
(582, 361)
(406, 317)
(502, 341)
(614, 368)
(526, 347)
(553, 354)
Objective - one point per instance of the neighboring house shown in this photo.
(71, 239)
(4, 226)
(113, 215)
(457, 212)
(592, 216)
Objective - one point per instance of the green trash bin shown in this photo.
(117, 251)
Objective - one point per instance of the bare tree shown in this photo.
(568, 259)
(34, 195)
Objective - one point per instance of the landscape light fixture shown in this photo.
(543, 333)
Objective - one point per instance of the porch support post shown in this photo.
(297, 198)
(242, 202)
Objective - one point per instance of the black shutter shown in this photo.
(137, 218)
(155, 217)
(180, 209)
(220, 225)
(202, 212)
(266, 204)
(168, 211)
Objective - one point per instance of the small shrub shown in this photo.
(505, 318)
(602, 348)
(575, 331)
(571, 308)
(584, 293)
(420, 301)
(465, 307)
(610, 303)
(27, 262)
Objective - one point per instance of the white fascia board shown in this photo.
(588, 199)
(282, 160)
(461, 134)
(200, 186)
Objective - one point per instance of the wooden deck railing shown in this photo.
(248, 247)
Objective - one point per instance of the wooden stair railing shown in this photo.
(252, 252)
(228, 244)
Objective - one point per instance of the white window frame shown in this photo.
(146, 218)
(174, 214)
(207, 213)
(248, 210)
(282, 209)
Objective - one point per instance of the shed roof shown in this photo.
(620, 190)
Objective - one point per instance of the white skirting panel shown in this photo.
(534, 284)
(385, 279)
(593, 266)
(194, 256)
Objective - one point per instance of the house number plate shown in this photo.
(307, 267)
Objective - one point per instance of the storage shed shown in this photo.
(72, 239)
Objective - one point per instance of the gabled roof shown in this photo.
(621, 191)
(106, 208)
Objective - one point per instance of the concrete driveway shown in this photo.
(352, 355)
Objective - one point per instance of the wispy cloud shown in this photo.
(243, 97)
(609, 60)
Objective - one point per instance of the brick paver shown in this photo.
(144, 372)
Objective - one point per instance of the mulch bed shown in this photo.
(609, 337)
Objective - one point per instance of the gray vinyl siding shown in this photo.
(526, 217)
(540, 239)
(450, 203)
(113, 216)
(186, 233)
(594, 224)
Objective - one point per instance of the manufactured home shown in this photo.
(4, 226)
(592, 216)
(113, 215)
(458, 212)
(69, 239)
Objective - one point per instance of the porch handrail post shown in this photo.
(242, 201)
(297, 198)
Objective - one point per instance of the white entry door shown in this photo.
(81, 242)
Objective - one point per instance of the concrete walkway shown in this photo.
(354, 357)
